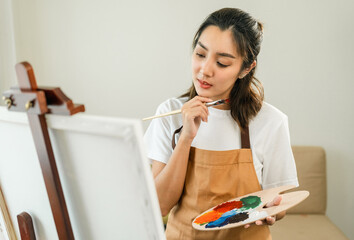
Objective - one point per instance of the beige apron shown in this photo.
(214, 177)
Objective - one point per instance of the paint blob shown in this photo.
(231, 212)
(238, 217)
(255, 215)
(207, 217)
(222, 221)
(250, 202)
(227, 206)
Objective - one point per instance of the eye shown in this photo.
(200, 55)
(222, 65)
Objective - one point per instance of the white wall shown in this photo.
(7, 47)
(122, 58)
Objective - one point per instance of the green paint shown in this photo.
(250, 202)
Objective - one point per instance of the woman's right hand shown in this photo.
(193, 112)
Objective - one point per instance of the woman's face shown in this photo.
(216, 63)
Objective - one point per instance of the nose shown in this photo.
(207, 68)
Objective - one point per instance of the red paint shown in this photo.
(227, 206)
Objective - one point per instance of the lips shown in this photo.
(204, 84)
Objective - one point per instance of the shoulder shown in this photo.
(270, 114)
(171, 104)
(268, 119)
(158, 136)
(169, 123)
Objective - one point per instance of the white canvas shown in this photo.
(3, 233)
(106, 177)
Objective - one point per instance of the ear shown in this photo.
(247, 70)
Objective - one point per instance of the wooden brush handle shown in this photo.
(163, 115)
(209, 104)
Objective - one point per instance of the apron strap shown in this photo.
(245, 137)
(174, 136)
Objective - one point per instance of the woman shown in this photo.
(225, 151)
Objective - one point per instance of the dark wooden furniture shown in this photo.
(37, 102)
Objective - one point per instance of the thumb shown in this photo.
(276, 201)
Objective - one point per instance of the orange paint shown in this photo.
(208, 217)
(227, 206)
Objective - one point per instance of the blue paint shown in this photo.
(223, 220)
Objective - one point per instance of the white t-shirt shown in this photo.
(269, 137)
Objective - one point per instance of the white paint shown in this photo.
(255, 215)
(103, 170)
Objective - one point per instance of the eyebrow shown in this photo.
(220, 54)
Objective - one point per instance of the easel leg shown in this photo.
(48, 165)
(26, 226)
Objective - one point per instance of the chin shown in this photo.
(202, 92)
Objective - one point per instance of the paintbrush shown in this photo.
(209, 104)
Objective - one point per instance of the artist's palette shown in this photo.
(247, 209)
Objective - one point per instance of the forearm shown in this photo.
(280, 215)
(170, 178)
(170, 181)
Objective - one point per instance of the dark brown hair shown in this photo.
(247, 94)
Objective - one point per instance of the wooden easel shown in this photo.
(37, 102)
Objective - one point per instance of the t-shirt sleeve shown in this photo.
(278, 160)
(158, 137)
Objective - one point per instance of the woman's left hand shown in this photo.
(271, 219)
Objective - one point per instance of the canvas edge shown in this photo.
(91, 124)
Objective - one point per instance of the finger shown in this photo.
(195, 113)
(192, 105)
(200, 104)
(270, 220)
(200, 107)
(197, 103)
(203, 99)
(259, 222)
(197, 100)
(204, 115)
(247, 225)
(205, 110)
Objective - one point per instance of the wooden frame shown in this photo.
(7, 231)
